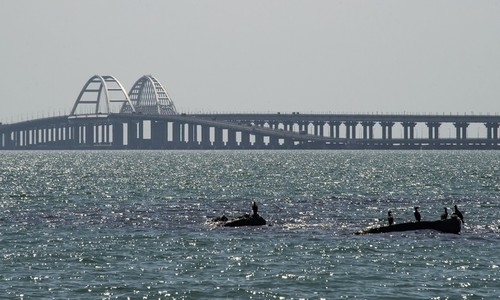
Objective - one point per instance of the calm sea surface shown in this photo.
(134, 224)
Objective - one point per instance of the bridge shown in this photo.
(105, 116)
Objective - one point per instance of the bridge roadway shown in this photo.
(245, 131)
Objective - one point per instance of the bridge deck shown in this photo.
(273, 131)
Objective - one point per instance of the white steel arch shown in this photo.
(148, 96)
(101, 95)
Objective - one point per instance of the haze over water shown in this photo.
(135, 224)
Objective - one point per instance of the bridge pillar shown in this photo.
(60, 135)
(57, 136)
(117, 142)
(205, 137)
(67, 135)
(57, 140)
(368, 129)
(20, 139)
(24, 135)
(461, 129)
(433, 130)
(322, 129)
(41, 136)
(335, 129)
(176, 134)
(75, 129)
(132, 141)
(24, 138)
(347, 130)
(34, 136)
(245, 140)
(15, 139)
(231, 139)
(48, 135)
(318, 128)
(408, 130)
(11, 140)
(27, 138)
(193, 135)
(492, 130)
(351, 129)
(42, 132)
(140, 132)
(289, 143)
(80, 134)
(218, 141)
(259, 141)
(107, 135)
(386, 130)
(158, 134)
(274, 142)
(100, 134)
(182, 134)
(89, 134)
(7, 140)
(53, 134)
(303, 127)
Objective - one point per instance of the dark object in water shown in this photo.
(418, 217)
(444, 215)
(459, 214)
(222, 218)
(255, 208)
(390, 218)
(452, 225)
(246, 220)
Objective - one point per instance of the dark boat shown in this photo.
(452, 225)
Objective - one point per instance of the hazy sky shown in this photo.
(422, 56)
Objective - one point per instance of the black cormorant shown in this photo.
(418, 217)
(458, 214)
(444, 215)
(255, 208)
(390, 219)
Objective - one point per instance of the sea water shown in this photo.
(136, 225)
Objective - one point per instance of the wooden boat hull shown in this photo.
(453, 225)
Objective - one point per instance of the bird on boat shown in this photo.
(458, 213)
(390, 219)
(444, 215)
(418, 217)
(255, 208)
